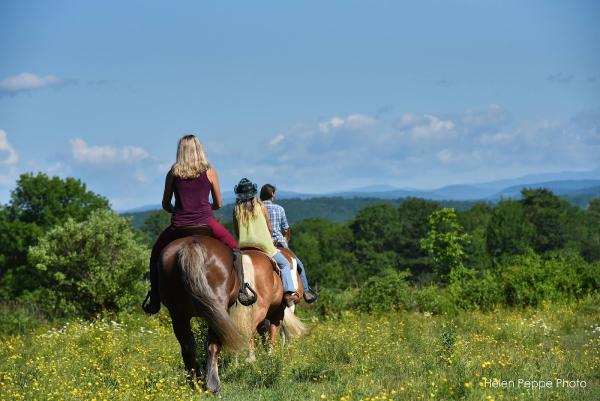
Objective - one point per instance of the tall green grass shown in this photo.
(399, 355)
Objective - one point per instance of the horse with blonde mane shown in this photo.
(197, 278)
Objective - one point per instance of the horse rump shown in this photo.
(191, 258)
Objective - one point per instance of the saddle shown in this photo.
(273, 262)
(201, 229)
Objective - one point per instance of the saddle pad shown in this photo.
(273, 262)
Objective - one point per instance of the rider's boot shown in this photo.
(310, 296)
(151, 304)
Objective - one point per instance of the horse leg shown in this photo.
(275, 320)
(213, 348)
(251, 355)
(185, 336)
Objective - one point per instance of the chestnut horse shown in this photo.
(197, 278)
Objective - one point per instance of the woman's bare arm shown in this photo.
(215, 189)
(168, 193)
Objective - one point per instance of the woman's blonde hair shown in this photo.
(191, 159)
(246, 211)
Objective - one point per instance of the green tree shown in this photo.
(475, 222)
(154, 224)
(445, 240)
(413, 215)
(591, 241)
(375, 229)
(545, 212)
(507, 232)
(327, 251)
(37, 204)
(376, 225)
(46, 201)
(89, 266)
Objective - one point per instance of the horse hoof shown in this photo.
(213, 387)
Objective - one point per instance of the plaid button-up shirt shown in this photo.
(278, 221)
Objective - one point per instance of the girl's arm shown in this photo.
(215, 189)
(168, 193)
(266, 214)
(236, 228)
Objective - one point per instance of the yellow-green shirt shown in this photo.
(256, 234)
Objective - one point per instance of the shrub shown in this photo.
(524, 282)
(471, 289)
(433, 299)
(89, 266)
(386, 292)
(529, 279)
(332, 302)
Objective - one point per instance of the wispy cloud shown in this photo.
(560, 78)
(425, 149)
(351, 121)
(8, 160)
(106, 154)
(26, 81)
(8, 155)
(586, 126)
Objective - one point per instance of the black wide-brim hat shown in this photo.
(245, 190)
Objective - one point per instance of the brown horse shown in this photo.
(197, 278)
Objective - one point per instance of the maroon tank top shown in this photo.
(191, 201)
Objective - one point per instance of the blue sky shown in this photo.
(312, 96)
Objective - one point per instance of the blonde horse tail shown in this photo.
(192, 260)
(292, 325)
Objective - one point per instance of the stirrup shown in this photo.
(245, 298)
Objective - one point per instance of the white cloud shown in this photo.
(426, 150)
(495, 138)
(432, 126)
(276, 139)
(8, 155)
(445, 156)
(101, 155)
(8, 160)
(493, 116)
(26, 81)
(351, 121)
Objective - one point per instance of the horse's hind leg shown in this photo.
(185, 336)
(213, 348)
(275, 323)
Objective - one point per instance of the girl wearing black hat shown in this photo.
(251, 224)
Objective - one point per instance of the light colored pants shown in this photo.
(286, 272)
(301, 268)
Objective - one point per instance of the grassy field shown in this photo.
(399, 356)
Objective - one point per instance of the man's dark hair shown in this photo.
(267, 191)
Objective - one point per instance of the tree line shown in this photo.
(66, 252)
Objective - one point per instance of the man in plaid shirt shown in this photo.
(280, 229)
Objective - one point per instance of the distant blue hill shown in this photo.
(581, 185)
(558, 187)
